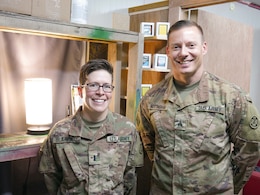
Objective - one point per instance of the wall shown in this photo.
(247, 15)
(101, 12)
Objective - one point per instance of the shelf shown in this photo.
(155, 70)
(155, 38)
(153, 77)
(154, 45)
(12, 22)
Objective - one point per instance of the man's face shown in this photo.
(185, 51)
(96, 102)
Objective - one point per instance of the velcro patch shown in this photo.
(254, 123)
(115, 139)
(208, 108)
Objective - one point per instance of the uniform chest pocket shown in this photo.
(164, 125)
(78, 173)
(211, 133)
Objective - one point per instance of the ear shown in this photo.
(167, 50)
(204, 48)
(80, 91)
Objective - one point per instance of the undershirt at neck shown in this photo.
(92, 127)
(185, 90)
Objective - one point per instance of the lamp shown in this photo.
(38, 105)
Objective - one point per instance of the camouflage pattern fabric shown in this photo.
(207, 143)
(73, 163)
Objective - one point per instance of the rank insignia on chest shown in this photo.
(94, 158)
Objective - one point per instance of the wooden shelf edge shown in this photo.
(20, 23)
(123, 97)
(156, 70)
(156, 38)
(148, 6)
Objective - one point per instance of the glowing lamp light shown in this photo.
(38, 105)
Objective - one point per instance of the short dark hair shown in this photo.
(93, 65)
(185, 23)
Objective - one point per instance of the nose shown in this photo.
(100, 90)
(184, 51)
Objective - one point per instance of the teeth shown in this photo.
(186, 62)
(99, 100)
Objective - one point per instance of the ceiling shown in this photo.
(251, 3)
(255, 1)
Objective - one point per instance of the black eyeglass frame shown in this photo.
(97, 86)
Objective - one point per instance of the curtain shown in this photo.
(28, 56)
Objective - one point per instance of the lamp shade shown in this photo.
(38, 104)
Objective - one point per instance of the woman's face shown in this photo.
(96, 102)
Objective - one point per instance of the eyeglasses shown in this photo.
(108, 88)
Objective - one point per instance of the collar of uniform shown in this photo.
(75, 127)
(202, 92)
(203, 88)
(171, 92)
(106, 128)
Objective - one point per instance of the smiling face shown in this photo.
(96, 102)
(185, 51)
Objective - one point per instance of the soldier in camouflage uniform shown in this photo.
(189, 122)
(94, 151)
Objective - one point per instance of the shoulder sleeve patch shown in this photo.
(249, 127)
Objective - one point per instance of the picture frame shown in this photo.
(147, 29)
(147, 60)
(145, 88)
(76, 100)
(160, 61)
(162, 29)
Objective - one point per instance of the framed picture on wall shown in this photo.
(147, 29)
(160, 61)
(147, 60)
(162, 29)
(76, 100)
(145, 88)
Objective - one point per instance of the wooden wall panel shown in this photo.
(229, 48)
(152, 77)
(186, 4)
(151, 16)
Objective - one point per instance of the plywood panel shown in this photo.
(152, 77)
(186, 4)
(155, 46)
(112, 58)
(151, 6)
(229, 48)
(151, 16)
(134, 78)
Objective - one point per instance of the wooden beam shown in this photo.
(150, 6)
(187, 4)
(18, 23)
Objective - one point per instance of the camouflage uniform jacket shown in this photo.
(190, 140)
(73, 163)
